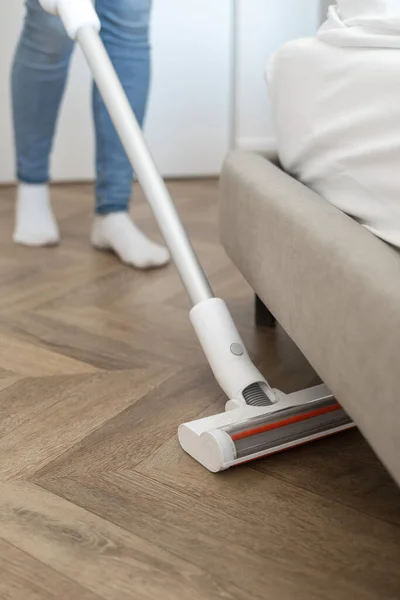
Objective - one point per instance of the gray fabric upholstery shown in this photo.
(331, 284)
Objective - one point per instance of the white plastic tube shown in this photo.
(153, 185)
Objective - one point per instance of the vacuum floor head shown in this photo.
(247, 433)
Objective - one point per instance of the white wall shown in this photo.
(263, 26)
(10, 17)
(188, 125)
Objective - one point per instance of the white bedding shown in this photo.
(336, 104)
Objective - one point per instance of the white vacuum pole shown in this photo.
(221, 342)
(153, 185)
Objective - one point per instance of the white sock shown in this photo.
(35, 224)
(118, 233)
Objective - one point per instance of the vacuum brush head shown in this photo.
(247, 433)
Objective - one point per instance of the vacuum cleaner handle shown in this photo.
(217, 333)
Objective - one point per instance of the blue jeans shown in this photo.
(39, 76)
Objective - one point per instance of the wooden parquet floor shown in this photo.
(98, 366)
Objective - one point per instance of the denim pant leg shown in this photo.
(39, 74)
(125, 34)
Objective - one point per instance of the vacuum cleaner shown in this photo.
(258, 420)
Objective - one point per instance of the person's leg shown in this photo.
(125, 34)
(38, 80)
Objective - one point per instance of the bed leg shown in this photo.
(263, 317)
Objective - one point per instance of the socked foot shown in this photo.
(117, 232)
(35, 224)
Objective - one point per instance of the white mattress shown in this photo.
(336, 105)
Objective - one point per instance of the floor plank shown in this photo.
(71, 408)
(28, 359)
(95, 553)
(25, 578)
(331, 470)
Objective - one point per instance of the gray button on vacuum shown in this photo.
(237, 349)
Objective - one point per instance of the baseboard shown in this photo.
(262, 145)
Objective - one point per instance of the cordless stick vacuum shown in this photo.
(258, 420)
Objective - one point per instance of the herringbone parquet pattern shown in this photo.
(98, 366)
